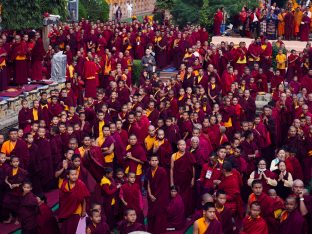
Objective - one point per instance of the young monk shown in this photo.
(135, 158)
(28, 210)
(175, 211)
(268, 207)
(158, 196)
(73, 195)
(182, 174)
(131, 197)
(96, 226)
(47, 223)
(254, 223)
(223, 213)
(4, 167)
(109, 193)
(15, 177)
(129, 223)
(291, 220)
(208, 223)
(107, 144)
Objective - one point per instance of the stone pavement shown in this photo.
(295, 45)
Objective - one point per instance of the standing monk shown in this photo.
(90, 72)
(218, 17)
(289, 24)
(18, 56)
(182, 174)
(37, 54)
(73, 195)
(158, 197)
(208, 224)
(3, 67)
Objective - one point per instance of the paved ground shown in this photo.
(296, 45)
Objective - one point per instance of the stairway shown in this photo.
(166, 75)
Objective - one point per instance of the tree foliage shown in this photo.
(27, 14)
(202, 11)
(94, 9)
(164, 4)
(21, 14)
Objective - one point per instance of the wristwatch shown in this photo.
(301, 199)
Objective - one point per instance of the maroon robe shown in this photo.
(231, 185)
(90, 73)
(164, 153)
(28, 211)
(182, 177)
(294, 223)
(18, 55)
(254, 226)
(124, 227)
(69, 202)
(20, 150)
(225, 217)
(138, 152)
(131, 193)
(93, 162)
(215, 227)
(176, 213)
(34, 168)
(37, 54)
(101, 228)
(46, 221)
(24, 118)
(46, 162)
(159, 186)
(12, 197)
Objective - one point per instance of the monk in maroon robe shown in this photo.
(3, 67)
(158, 197)
(162, 148)
(47, 223)
(182, 175)
(254, 223)
(175, 211)
(223, 213)
(73, 195)
(14, 179)
(37, 54)
(217, 21)
(97, 225)
(18, 56)
(129, 223)
(289, 25)
(28, 210)
(131, 197)
(46, 162)
(19, 148)
(291, 220)
(90, 73)
(305, 27)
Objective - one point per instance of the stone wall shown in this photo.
(140, 7)
(10, 107)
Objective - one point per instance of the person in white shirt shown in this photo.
(129, 9)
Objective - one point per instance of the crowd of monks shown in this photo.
(162, 154)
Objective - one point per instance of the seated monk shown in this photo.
(254, 223)
(208, 223)
(175, 211)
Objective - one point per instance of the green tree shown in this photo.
(21, 14)
(94, 9)
(55, 7)
(202, 11)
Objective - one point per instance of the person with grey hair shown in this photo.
(148, 62)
